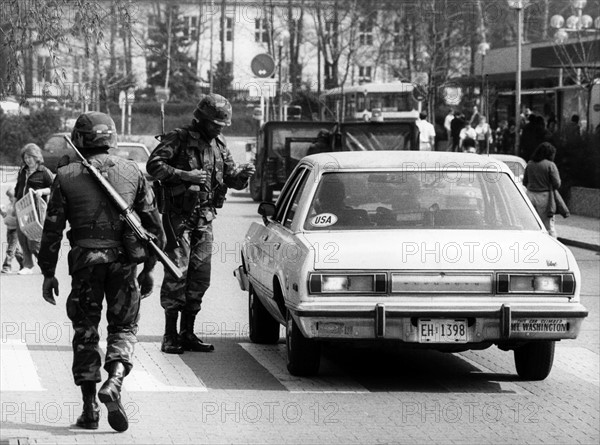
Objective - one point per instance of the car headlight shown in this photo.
(346, 283)
(536, 283)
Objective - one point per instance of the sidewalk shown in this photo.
(579, 231)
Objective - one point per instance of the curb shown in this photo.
(580, 244)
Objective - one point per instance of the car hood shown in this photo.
(442, 249)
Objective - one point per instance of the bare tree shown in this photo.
(48, 24)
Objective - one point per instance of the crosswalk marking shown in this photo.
(17, 370)
(154, 371)
(273, 359)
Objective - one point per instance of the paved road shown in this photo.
(242, 393)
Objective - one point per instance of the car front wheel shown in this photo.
(264, 329)
(534, 360)
(303, 354)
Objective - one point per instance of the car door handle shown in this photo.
(266, 237)
(277, 246)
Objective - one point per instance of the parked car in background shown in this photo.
(515, 163)
(422, 249)
(56, 147)
(134, 151)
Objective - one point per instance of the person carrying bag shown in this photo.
(542, 181)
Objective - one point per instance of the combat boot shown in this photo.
(187, 338)
(110, 395)
(91, 411)
(170, 343)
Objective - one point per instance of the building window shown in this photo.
(44, 69)
(228, 30)
(330, 28)
(364, 73)
(396, 34)
(152, 23)
(190, 27)
(120, 66)
(261, 31)
(365, 32)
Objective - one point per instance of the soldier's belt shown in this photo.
(100, 233)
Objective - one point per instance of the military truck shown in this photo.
(281, 144)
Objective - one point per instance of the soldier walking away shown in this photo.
(195, 168)
(102, 262)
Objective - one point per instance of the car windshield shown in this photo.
(480, 200)
(366, 137)
(131, 152)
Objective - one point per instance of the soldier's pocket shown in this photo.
(79, 301)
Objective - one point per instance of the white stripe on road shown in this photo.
(154, 371)
(17, 370)
(273, 359)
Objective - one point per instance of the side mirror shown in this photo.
(266, 210)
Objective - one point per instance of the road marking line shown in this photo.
(17, 369)
(273, 359)
(154, 371)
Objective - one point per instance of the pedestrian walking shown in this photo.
(13, 250)
(195, 168)
(33, 175)
(467, 132)
(456, 125)
(102, 262)
(541, 178)
(448, 127)
(426, 133)
(483, 135)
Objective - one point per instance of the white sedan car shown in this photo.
(426, 249)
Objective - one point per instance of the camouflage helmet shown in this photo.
(214, 108)
(94, 130)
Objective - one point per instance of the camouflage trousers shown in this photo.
(193, 257)
(117, 282)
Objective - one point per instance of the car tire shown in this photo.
(534, 360)
(303, 354)
(266, 192)
(264, 329)
(255, 190)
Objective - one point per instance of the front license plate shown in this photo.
(437, 330)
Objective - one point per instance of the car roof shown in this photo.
(409, 160)
(509, 158)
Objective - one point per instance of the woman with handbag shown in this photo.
(36, 176)
(541, 179)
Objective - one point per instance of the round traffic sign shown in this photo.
(263, 65)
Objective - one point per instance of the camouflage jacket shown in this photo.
(186, 150)
(124, 174)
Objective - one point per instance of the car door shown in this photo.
(279, 239)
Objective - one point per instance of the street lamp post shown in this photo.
(518, 5)
(280, 42)
(483, 49)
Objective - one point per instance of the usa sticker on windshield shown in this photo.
(324, 220)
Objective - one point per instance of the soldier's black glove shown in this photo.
(146, 282)
(49, 289)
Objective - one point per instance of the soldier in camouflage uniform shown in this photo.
(102, 262)
(195, 169)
